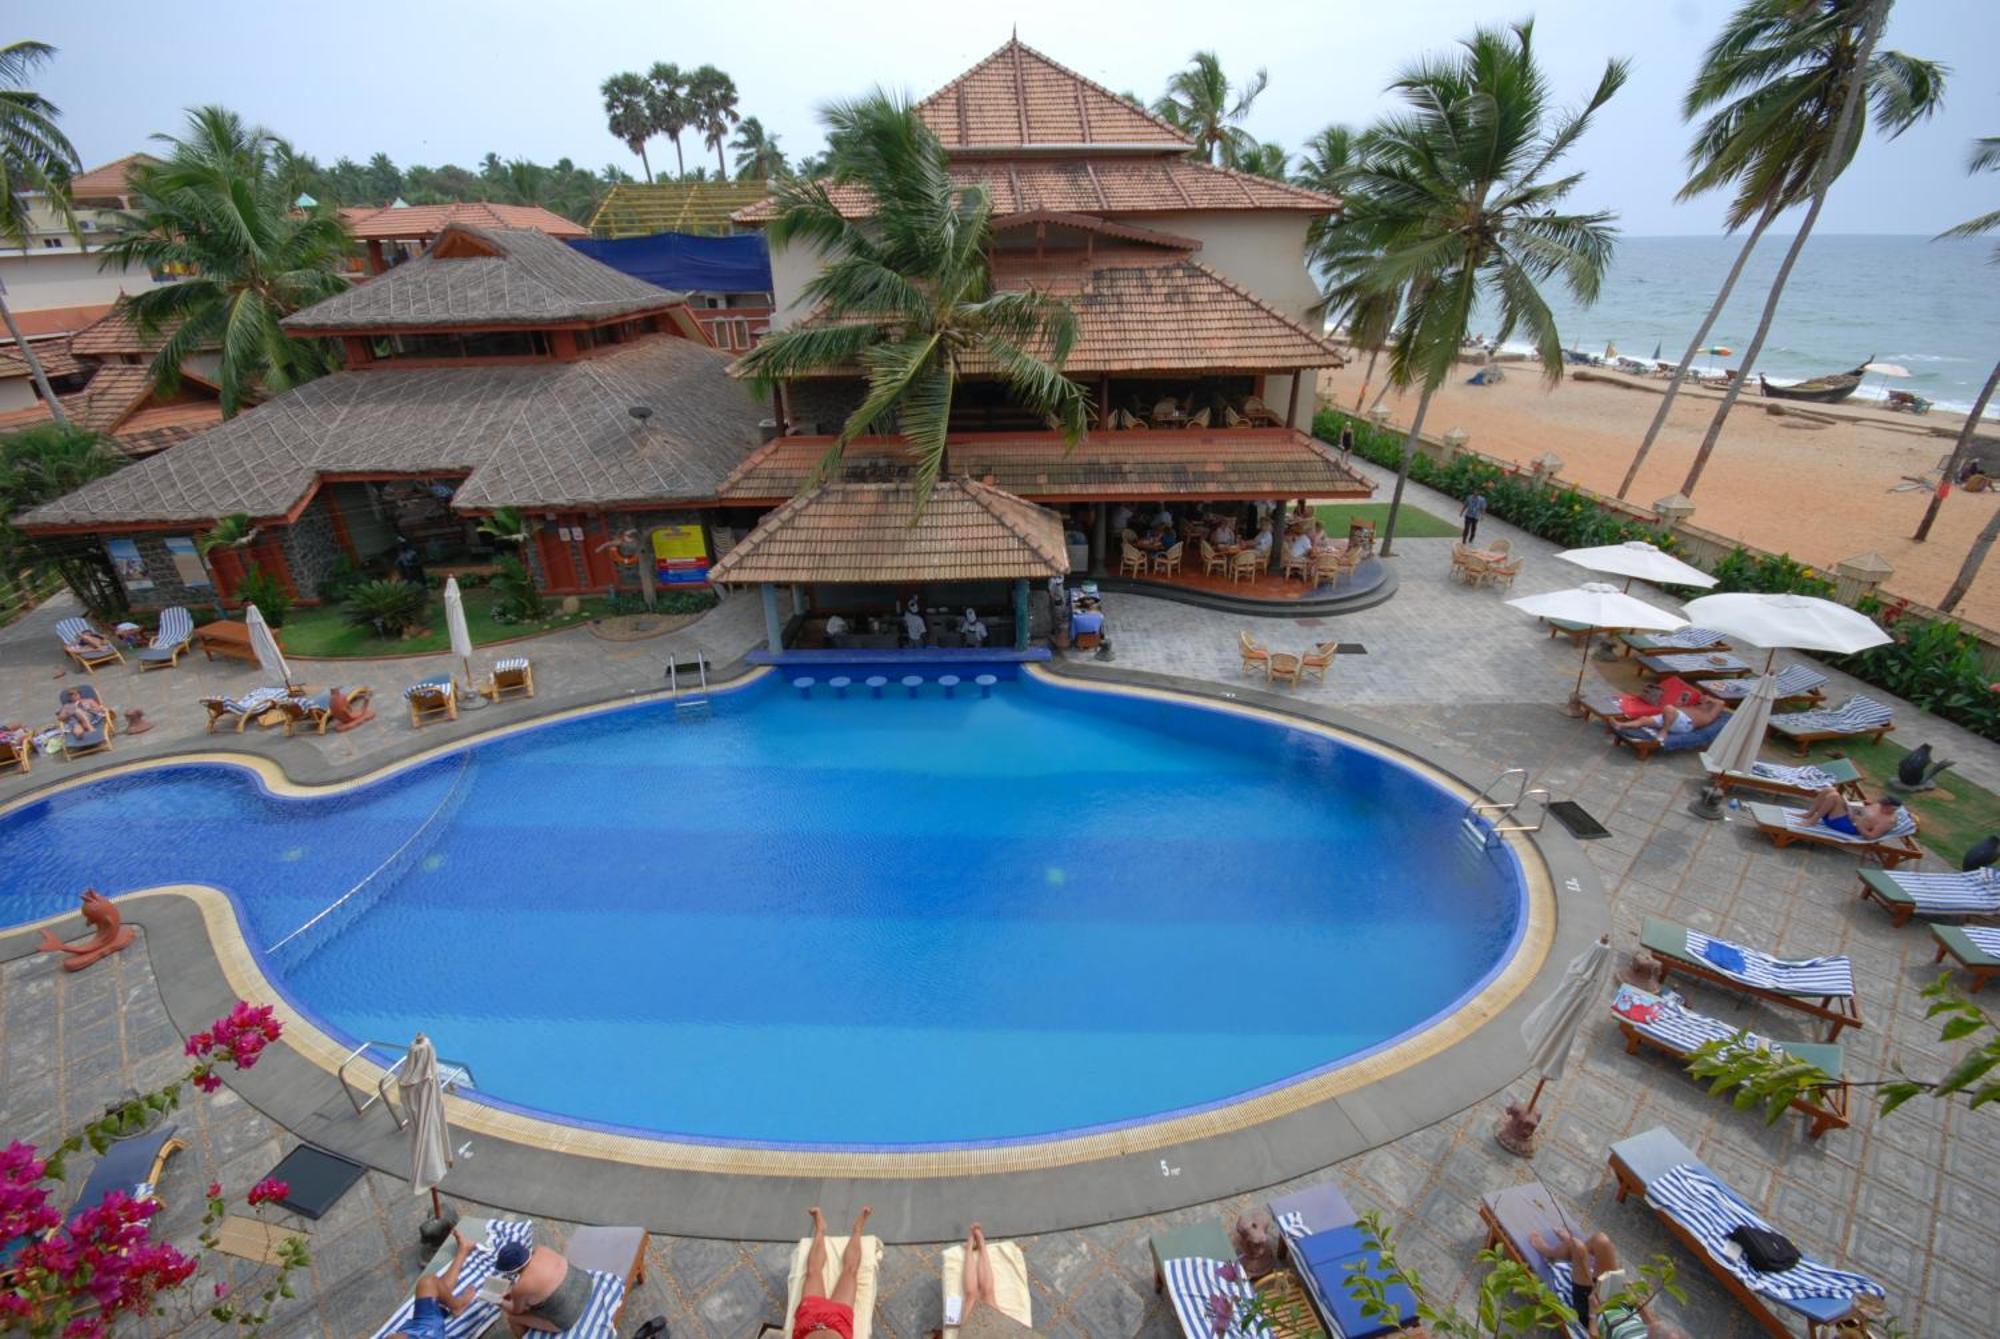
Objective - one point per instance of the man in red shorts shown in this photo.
(820, 1315)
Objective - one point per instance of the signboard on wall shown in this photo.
(188, 566)
(680, 554)
(127, 563)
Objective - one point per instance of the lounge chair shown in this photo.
(1822, 987)
(1198, 1241)
(1514, 1217)
(1699, 1210)
(1975, 948)
(1256, 656)
(70, 630)
(241, 710)
(1665, 1023)
(435, 698)
(1646, 741)
(1892, 848)
(1199, 419)
(1562, 627)
(1319, 660)
(1324, 1261)
(1797, 684)
(315, 711)
(614, 1257)
(133, 1165)
(1858, 716)
(864, 1284)
(1801, 782)
(1905, 894)
(17, 750)
(1190, 1281)
(1696, 665)
(176, 631)
(513, 677)
(97, 740)
(1320, 1208)
(1283, 667)
(1681, 639)
(1010, 1284)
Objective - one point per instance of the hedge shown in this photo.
(1933, 663)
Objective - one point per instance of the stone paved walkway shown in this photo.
(1913, 1199)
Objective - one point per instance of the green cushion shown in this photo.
(1205, 1240)
(1666, 938)
(1963, 948)
(1888, 888)
(1824, 1056)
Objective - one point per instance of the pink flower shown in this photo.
(215, 1190)
(1229, 1273)
(208, 1083)
(267, 1191)
(221, 1291)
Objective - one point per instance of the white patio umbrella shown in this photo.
(461, 640)
(1637, 560)
(1549, 1032)
(1797, 622)
(269, 658)
(423, 1106)
(1736, 748)
(1596, 604)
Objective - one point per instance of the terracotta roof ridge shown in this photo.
(1316, 337)
(987, 497)
(1014, 49)
(1246, 179)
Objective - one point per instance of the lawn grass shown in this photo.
(1949, 819)
(325, 632)
(1411, 522)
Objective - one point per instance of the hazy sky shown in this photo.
(446, 81)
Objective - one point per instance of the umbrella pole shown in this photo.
(437, 1209)
(1575, 707)
(1533, 1098)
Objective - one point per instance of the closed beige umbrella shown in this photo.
(265, 647)
(1550, 1033)
(423, 1106)
(461, 640)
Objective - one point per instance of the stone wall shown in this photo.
(311, 548)
(819, 405)
(169, 587)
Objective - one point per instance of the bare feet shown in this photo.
(819, 1221)
(860, 1220)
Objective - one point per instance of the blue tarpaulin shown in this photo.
(687, 263)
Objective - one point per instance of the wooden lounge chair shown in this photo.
(1213, 564)
(1256, 656)
(1822, 987)
(1904, 894)
(176, 632)
(1562, 627)
(315, 711)
(1976, 949)
(1514, 1217)
(70, 630)
(97, 740)
(1010, 1284)
(1666, 1024)
(614, 1259)
(1245, 566)
(1781, 825)
(1283, 667)
(241, 710)
(1680, 639)
(1169, 563)
(1860, 716)
(1798, 686)
(1319, 660)
(1326, 1262)
(17, 750)
(864, 1283)
(435, 698)
(1696, 665)
(133, 1166)
(1663, 1171)
(512, 677)
(1132, 560)
(1795, 782)
(1645, 742)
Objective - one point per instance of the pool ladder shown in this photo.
(1487, 816)
(696, 703)
(452, 1075)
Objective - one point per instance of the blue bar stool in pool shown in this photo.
(876, 683)
(911, 683)
(804, 683)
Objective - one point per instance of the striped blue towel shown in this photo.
(1293, 1224)
(1710, 1210)
(254, 701)
(511, 665)
(1559, 1283)
(1858, 715)
(1686, 664)
(1191, 1281)
(1806, 777)
(478, 1268)
(1986, 940)
(176, 629)
(1793, 681)
(1831, 975)
(1677, 1026)
(1953, 894)
(1904, 826)
(430, 687)
(607, 1294)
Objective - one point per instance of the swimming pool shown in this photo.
(841, 922)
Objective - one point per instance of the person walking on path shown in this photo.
(1475, 507)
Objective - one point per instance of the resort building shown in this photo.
(54, 283)
(392, 234)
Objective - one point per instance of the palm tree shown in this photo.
(1201, 101)
(1327, 164)
(758, 157)
(907, 295)
(216, 212)
(1454, 205)
(40, 464)
(1806, 70)
(1267, 160)
(668, 107)
(712, 102)
(36, 159)
(1985, 158)
(628, 114)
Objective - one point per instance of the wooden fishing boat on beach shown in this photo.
(1830, 389)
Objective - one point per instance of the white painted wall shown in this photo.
(791, 268)
(36, 280)
(16, 393)
(1261, 250)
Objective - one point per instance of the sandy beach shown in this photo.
(1821, 491)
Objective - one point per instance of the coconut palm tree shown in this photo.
(758, 157)
(1327, 164)
(36, 159)
(907, 294)
(215, 211)
(712, 99)
(1456, 204)
(1985, 158)
(628, 114)
(1201, 101)
(1267, 160)
(668, 107)
(1802, 71)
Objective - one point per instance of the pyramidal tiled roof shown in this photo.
(1017, 98)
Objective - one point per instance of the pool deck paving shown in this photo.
(1912, 1199)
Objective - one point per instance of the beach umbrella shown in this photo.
(423, 1107)
(1596, 604)
(1886, 369)
(1736, 748)
(1798, 622)
(1549, 1032)
(269, 658)
(1637, 560)
(1658, 344)
(1715, 351)
(454, 622)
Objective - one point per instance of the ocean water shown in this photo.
(1932, 307)
(845, 921)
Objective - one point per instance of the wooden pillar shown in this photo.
(376, 264)
(1104, 402)
(798, 598)
(1298, 392)
(1021, 614)
(774, 627)
(1099, 537)
(1278, 535)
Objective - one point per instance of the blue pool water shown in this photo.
(839, 921)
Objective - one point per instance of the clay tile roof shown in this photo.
(1019, 98)
(845, 531)
(423, 222)
(533, 435)
(59, 320)
(474, 277)
(113, 392)
(1090, 223)
(1099, 186)
(109, 180)
(115, 334)
(54, 357)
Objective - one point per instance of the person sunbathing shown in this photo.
(91, 641)
(830, 1316)
(1870, 820)
(1697, 715)
(547, 1296)
(437, 1299)
(80, 715)
(1593, 1263)
(979, 1289)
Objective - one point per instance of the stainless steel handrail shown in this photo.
(452, 1075)
(1484, 802)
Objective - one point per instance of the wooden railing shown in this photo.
(734, 329)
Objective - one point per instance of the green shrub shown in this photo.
(391, 607)
(340, 580)
(515, 597)
(1770, 574)
(1937, 666)
(687, 601)
(264, 590)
